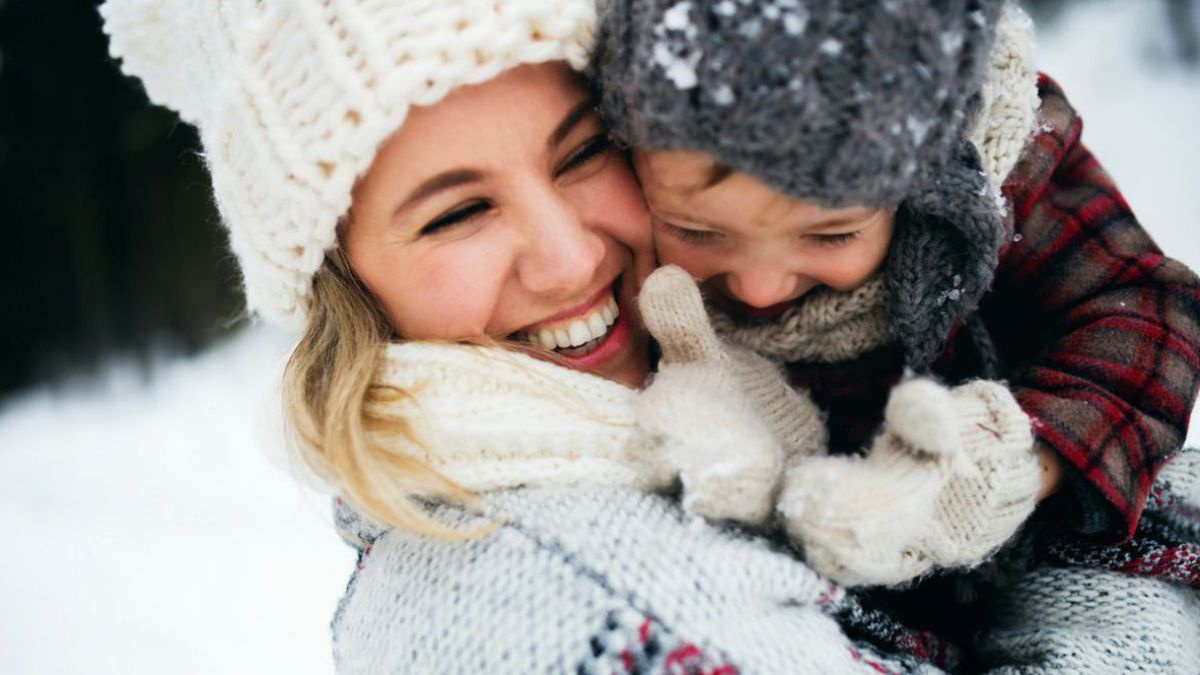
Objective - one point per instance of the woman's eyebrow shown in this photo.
(442, 181)
(568, 123)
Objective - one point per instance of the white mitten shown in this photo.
(723, 433)
(949, 479)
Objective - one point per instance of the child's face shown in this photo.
(754, 249)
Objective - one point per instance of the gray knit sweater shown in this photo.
(591, 570)
(590, 581)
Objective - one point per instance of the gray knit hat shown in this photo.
(835, 102)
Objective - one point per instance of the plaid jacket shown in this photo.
(1098, 331)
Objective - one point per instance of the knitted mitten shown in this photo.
(949, 479)
(722, 416)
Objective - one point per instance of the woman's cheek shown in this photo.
(456, 292)
(613, 201)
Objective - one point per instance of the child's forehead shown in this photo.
(681, 171)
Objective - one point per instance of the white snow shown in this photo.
(146, 531)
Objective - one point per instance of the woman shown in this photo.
(402, 176)
(399, 177)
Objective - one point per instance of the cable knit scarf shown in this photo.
(827, 327)
(491, 419)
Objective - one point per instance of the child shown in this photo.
(868, 188)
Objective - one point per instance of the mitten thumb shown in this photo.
(674, 313)
(921, 413)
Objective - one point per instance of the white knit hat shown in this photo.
(292, 99)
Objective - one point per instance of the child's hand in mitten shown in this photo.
(949, 479)
(721, 415)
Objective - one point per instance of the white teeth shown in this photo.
(580, 335)
(580, 331)
(596, 323)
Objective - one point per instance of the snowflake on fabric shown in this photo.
(676, 50)
(631, 642)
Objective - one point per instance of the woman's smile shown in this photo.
(589, 335)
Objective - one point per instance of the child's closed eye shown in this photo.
(689, 235)
(834, 240)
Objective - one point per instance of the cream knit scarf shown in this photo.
(491, 419)
(831, 326)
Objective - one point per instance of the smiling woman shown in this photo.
(529, 232)
(540, 230)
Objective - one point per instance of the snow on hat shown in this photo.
(837, 102)
(292, 98)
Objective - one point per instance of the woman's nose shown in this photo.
(762, 286)
(561, 252)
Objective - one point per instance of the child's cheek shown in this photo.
(694, 260)
(853, 266)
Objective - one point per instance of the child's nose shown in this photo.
(762, 286)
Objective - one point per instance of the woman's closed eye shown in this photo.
(587, 157)
(459, 214)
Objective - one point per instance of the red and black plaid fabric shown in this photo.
(1099, 332)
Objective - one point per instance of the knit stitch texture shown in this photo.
(581, 572)
(540, 595)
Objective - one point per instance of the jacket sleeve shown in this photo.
(1100, 329)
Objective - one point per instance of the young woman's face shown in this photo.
(756, 250)
(504, 211)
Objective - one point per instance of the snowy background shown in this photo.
(146, 529)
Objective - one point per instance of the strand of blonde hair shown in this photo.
(329, 386)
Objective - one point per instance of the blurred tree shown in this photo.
(108, 239)
(1182, 15)
(1183, 22)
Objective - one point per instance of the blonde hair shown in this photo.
(328, 388)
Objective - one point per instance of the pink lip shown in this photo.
(579, 310)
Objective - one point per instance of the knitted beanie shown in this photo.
(292, 98)
(838, 103)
